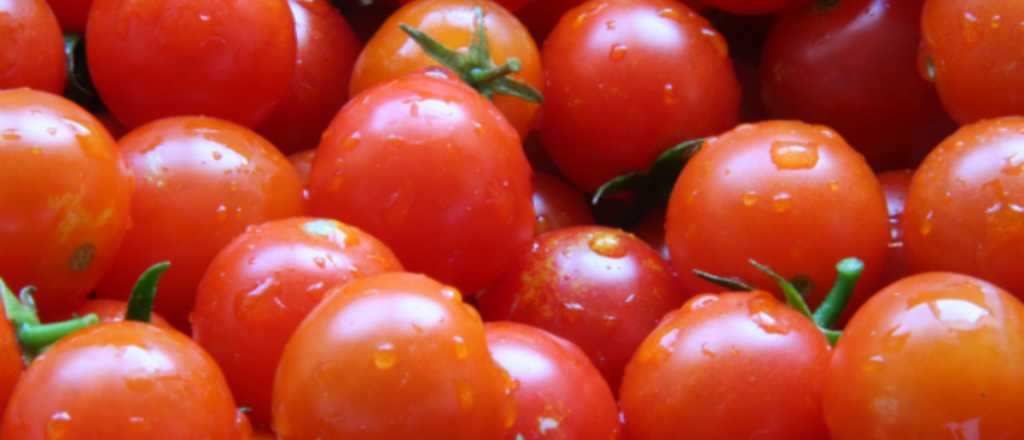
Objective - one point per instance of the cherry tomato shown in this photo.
(122, 380)
(511, 5)
(627, 79)
(198, 183)
(972, 50)
(431, 168)
(542, 16)
(937, 356)
(558, 205)
(109, 310)
(559, 393)
(72, 14)
(31, 47)
(392, 356)
(327, 49)
(260, 287)
(229, 59)
(11, 361)
(752, 7)
(965, 206)
(601, 288)
(895, 184)
(731, 366)
(790, 195)
(64, 198)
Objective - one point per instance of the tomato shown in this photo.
(303, 163)
(511, 5)
(895, 184)
(601, 288)
(965, 206)
(72, 14)
(558, 205)
(790, 195)
(11, 360)
(108, 310)
(391, 53)
(199, 182)
(259, 288)
(542, 16)
(64, 198)
(229, 59)
(431, 168)
(31, 47)
(559, 393)
(651, 230)
(391, 356)
(736, 366)
(627, 79)
(752, 7)
(327, 49)
(122, 380)
(884, 381)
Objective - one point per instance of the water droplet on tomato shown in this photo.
(716, 40)
(607, 244)
(618, 52)
(670, 13)
(749, 198)
(969, 27)
(668, 95)
(384, 356)
(461, 351)
(58, 426)
(927, 224)
(781, 202)
(794, 155)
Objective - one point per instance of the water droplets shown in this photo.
(716, 40)
(969, 27)
(750, 198)
(58, 425)
(607, 244)
(668, 94)
(668, 340)
(384, 356)
(781, 202)
(461, 351)
(1014, 164)
(350, 143)
(10, 134)
(794, 155)
(670, 13)
(759, 308)
(618, 51)
(928, 224)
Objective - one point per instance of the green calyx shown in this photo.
(33, 336)
(140, 304)
(655, 184)
(476, 67)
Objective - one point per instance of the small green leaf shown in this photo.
(625, 182)
(793, 297)
(140, 303)
(732, 283)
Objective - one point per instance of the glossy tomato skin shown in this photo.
(558, 205)
(511, 5)
(885, 381)
(31, 47)
(71, 14)
(11, 361)
(965, 206)
(853, 67)
(259, 288)
(391, 356)
(559, 393)
(199, 182)
(601, 288)
(976, 57)
(753, 7)
(895, 184)
(431, 168)
(326, 51)
(627, 79)
(64, 197)
(736, 365)
(790, 195)
(123, 380)
(110, 310)
(230, 59)
(303, 163)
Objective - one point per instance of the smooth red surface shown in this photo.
(31, 47)
(895, 184)
(511, 5)
(111, 310)
(752, 7)
(71, 14)
(557, 205)
(11, 361)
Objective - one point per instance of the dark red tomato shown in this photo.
(511, 5)
(109, 310)
(853, 67)
(972, 50)
(651, 230)
(730, 366)
(327, 49)
(230, 59)
(790, 195)
(542, 16)
(937, 356)
(559, 393)
(429, 166)
(752, 7)
(31, 47)
(392, 356)
(965, 206)
(198, 183)
(64, 198)
(627, 79)
(601, 288)
(558, 205)
(123, 380)
(261, 286)
(72, 14)
(11, 361)
(895, 184)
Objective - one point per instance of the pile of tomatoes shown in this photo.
(511, 219)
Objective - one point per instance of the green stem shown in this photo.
(793, 297)
(36, 338)
(731, 283)
(832, 335)
(479, 76)
(140, 304)
(849, 271)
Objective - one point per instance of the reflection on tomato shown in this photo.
(895, 184)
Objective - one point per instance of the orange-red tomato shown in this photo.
(895, 184)
(11, 361)
(110, 310)
(31, 47)
(72, 14)
(557, 205)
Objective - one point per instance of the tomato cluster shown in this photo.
(511, 219)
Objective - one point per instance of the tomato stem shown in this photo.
(140, 304)
(849, 271)
(33, 336)
(731, 283)
(789, 291)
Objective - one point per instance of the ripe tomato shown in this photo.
(885, 382)
(230, 59)
(327, 49)
(72, 14)
(109, 310)
(260, 287)
(31, 47)
(11, 360)
(559, 393)
(792, 196)
(965, 206)
(895, 184)
(601, 288)
(558, 205)
(753, 7)
(651, 230)
(731, 366)
(64, 198)
(391, 356)
(511, 5)
(198, 183)
(431, 168)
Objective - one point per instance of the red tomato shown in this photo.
(627, 79)
(937, 356)
(558, 205)
(651, 230)
(752, 7)
(393, 356)
(231, 59)
(895, 184)
(260, 287)
(11, 361)
(72, 14)
(122, 380)
(199, 183)
(64, 198)
(511, 5)
(734, 366)
(31, 47)
(559, 393)
(542, 16)
(792, 196)
(603, 289)
(431, 168)
(327, 49)
(109, 311)
(303, 163)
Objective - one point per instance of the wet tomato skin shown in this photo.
(895, 184)
(753, 7)
(11, 361)
(31, 47)
(109, 310)
(558, 205)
